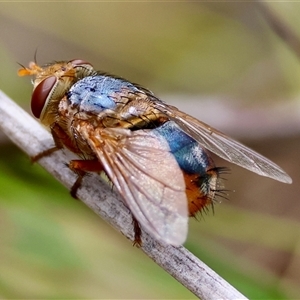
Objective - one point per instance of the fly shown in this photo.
(156, 156)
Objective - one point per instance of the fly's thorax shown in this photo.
(69, 121)
(140, 113)
(115, 102)
(66, 111)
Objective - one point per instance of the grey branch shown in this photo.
(32, 138)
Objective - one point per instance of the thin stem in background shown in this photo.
(280, 27)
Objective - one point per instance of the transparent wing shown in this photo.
(222, 145)
(147, 176)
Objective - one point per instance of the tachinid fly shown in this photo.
(155, 155)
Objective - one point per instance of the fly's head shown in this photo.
(51, 83)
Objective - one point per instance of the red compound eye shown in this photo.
(40, 95)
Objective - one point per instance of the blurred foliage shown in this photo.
(53, 246)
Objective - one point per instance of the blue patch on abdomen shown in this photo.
(190, 156)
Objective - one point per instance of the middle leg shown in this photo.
(81, 168)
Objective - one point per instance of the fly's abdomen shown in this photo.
(200, 173)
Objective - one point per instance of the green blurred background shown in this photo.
(220, 62)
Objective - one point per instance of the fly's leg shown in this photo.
(137, 233)
(60, 139)
(44, 153)
(81, 168)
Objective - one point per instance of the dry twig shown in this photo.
(32, 138)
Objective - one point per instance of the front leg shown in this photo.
(80, 167)
(60, 139)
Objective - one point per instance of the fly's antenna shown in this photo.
(35, 56)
